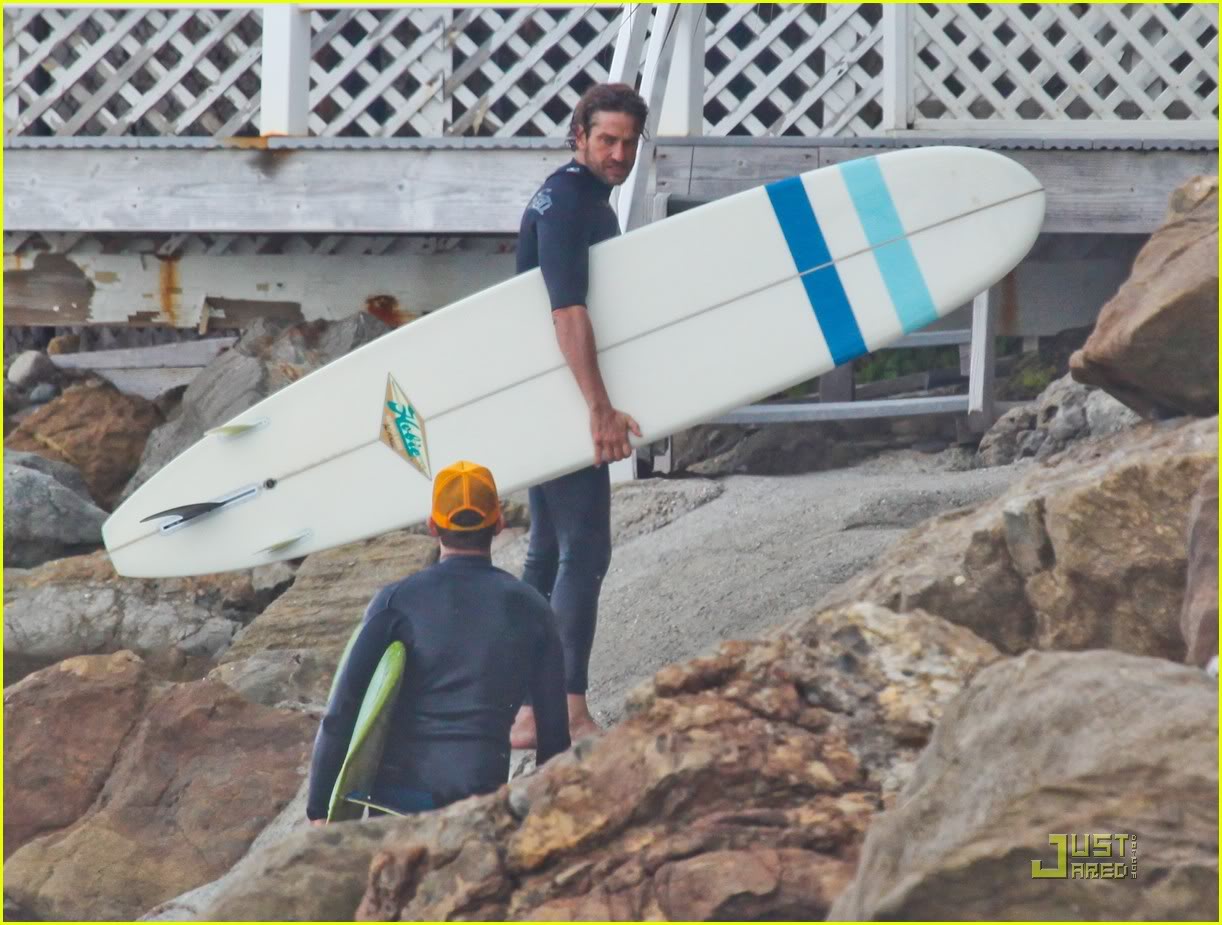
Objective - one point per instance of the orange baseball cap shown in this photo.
(464, 497)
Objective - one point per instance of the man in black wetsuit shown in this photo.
(478, 641)
(570, 517)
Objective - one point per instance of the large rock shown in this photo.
(189, 906)
(1038, 746)
(783, 449)
(289, 653)
(738, 787)
(83, 709)
(44, 519)
(66, 475)
(93, 427)
(199, 773)
(1155, 345)
(268, 356)
(886, 677)
(30, 368)
(1199, 618)
(1064, 413)
(80, 606)
(1087, 550)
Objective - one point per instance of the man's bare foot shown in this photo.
(522, 734)
(581, 723)
(584, 728)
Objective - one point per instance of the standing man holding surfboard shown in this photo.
(476, 642)
(570, 517)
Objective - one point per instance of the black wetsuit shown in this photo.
(570, 517)
(478, 640)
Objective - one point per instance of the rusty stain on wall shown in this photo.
(169, 289)
(247, 143)
(386, 309)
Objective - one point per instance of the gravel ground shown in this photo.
(697, 562)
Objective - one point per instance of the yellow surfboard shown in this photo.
(356, 776)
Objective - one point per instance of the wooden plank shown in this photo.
(630, 201)
(149, 383)
(249, 191)
(1104, 191)
(629, 43)
(131, 288)
(12, 58)
(163, 356)
(718, 171)
(285, 69)
(932, 339)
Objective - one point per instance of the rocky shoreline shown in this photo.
(867, 693)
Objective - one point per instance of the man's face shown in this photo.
(609, 148)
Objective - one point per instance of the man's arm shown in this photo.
(564, 261)
(547, 691)
(335, 730)
(608, 427)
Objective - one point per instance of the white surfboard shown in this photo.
(693, 316)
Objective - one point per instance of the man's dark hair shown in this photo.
(606, 98)
(467, 540)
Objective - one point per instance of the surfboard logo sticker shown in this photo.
(403, 428)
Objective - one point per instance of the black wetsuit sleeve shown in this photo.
(381, 627)
(547, 691)
(564, 250)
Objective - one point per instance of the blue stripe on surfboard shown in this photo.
(892, 251)
(823, 287)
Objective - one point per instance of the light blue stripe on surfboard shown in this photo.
(823, 287)
(896, 261)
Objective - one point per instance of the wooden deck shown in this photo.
(414, 188)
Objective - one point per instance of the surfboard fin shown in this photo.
(284, 544)
(234, 430)
(185, 512)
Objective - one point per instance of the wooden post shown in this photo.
(898, 67)
(285, 96)
(980, 409)
(683, 105)
(631, 202)
(626, 62)
(838, 385)
(633, 26)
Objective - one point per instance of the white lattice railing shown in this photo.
(1109, 62)
(769, 69)
(89, 71)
